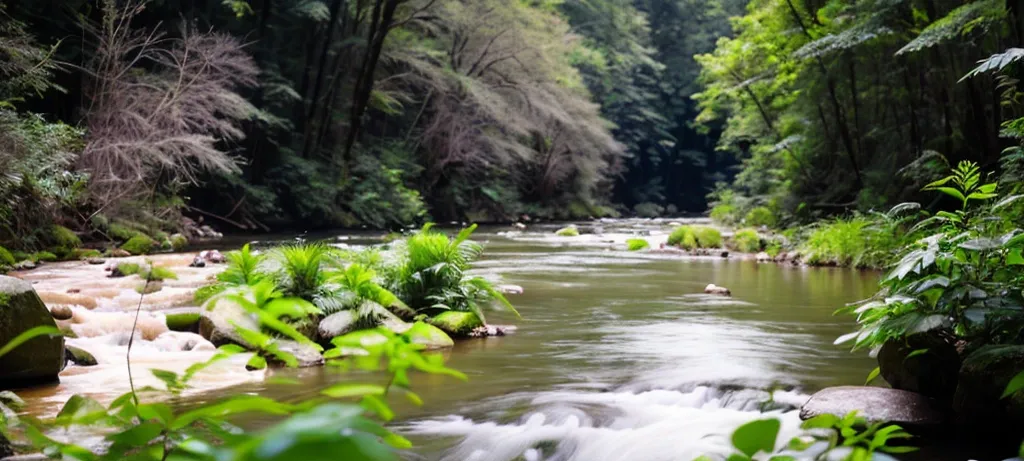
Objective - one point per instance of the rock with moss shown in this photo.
(217, 323)
(139, 245)
(80, 356)
(85, 254)
(984, 375)
(120, 231)
(63, 237)
(40, 359)
(457, 324)
(183, 318)
(429, 336)
(6, 258)
(568, 231)
(179, 242)
(45, 256)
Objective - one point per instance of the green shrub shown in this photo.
(64, 237)
(44, 256)
(773, 248)
(858, 241)
(128, 268)
(140, 244)
(637, 244)
(724, 214)
(568, 231)
(6, 258)
(21, 255)
(683, 237)
(760, 216)
(707, 237)
(179, 242)
(746, 241)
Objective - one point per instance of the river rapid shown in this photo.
(619, 355)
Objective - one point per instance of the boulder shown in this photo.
(215, 323)
(61, 312)
(713, 289)
(457, 324)
(40, 359)
(306, 354)
(183, 319)
(982, 379)
(119, 253)
(336, 324)
(212, 256)
(876, 404)
(198, 261)
(510, 289)
(79, 356)
(763, 257)
(923, 363)
(429, 336)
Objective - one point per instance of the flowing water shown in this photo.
(619, 355)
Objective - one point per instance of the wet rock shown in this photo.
(74, 290)
(183, 319)
(724, 254)
(429, 336)
(491, 330)
(61, 312)
(457, 324)
(119, 253)
(208, 232)
(982, 380)
(510, 289)
(335, 325)
(96, 261)
(150, 287)
(215, 323)
(932, 373)
(875, 404)
(175, 341)
(306, 354)
(11, 400)
(763, 257)
(519, 226)
(79, 356)
(25, 265)
(198, 261)
(713, 289)
(212, 256)
(40, 359)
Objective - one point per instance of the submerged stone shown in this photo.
(38, 360)
(875, 404)
(457, 324)
(713, 289)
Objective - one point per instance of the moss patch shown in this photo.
(64, 237)
(691, 237)
(179, 242)
(139, 245)
(6, 257)
(457, 323)
(44, 256)
(746, 241)
(569, 231)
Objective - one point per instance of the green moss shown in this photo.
(569, 231)
(690, 237)
(100, 221)
(6, 257)
(86, 253)
(119, 231)
(64, 237)
(44, 256)
(746, 241)
(5, 299)
(182, 321)
(637, 244)
(21, 255)
(139, 245)
(158, 274)
(128, 268)
(760, 216)
(160, 236)
(179, 242)
(150, 287)
(773, 249)
(456, 323)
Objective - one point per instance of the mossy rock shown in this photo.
(139, 245)
(178, 242)
(65, 238)
(6, 258)
(83, 254)
(457, 324)
(429, 336)
(568, 231)
(183, 319)
(40, 359)
(204, 294)
(80, 357)
(45, 256)
(120, 231)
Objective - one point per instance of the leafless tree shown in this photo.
(158, 106)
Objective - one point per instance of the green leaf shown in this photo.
(951, 192)
(353, 390)
(378, 406)
(158, 411)
(1014, 258)
(1015, 384)
(80, 410)
(798, 444)
(874, 374)
(137, 436)
(256, 362)
(916, 353)
(825, 421)
(27, 335)
(756, 436)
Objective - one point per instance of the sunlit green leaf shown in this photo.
(1015, 384)
(756, 436)
(874, 374)
(353, 390)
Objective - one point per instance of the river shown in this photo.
(618, 356)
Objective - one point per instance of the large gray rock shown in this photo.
(217, 323)
(875, 404)
(306, 354)
(932, 373)
(40, 359)
(983, 378)
(336, 324)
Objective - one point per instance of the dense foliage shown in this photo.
(837, 106)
